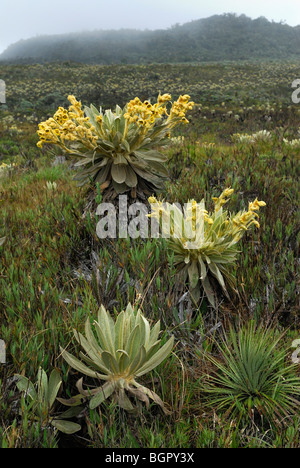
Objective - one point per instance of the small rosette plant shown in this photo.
(118, 352)
(117, 150)
(204, 244)
(40, 398)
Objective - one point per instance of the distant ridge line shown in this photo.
(217, 38)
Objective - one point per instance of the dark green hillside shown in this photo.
(220, 37)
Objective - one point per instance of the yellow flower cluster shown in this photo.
(4, 166)
(181, 225)
(261, 136)
(67, 125)
(203, 234)
(179, 140)
(222, 199)
(180, 108)
(292, 143)
(244, 220)
(145, 114)
(194, 209)
(254, 206)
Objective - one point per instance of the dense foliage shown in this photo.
(220, 37)
(55, 273)
(117, 150)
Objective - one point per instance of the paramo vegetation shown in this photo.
(184, 341)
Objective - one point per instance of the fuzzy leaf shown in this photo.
(209, 291)
(55, 382)
(134, 342)
(24, 385)
(158, 357)
(217, 274)
(76, 400)
(138, 361)
(110, 362)
(76, 364)
(118, 172)
(67, 427)
(104, 392)
(124, 401)
(107, 325)
(193, 274)
(131, 177)
(42, 382)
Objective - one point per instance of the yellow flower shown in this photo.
(245, 218)
(164, 98)
(227, 192)
(256, 205)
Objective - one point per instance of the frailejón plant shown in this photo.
(118, 352)
(117, 149)
(41, 397)
(204, 244)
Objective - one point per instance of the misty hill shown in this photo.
(220, 37)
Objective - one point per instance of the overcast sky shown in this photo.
(21, 19)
